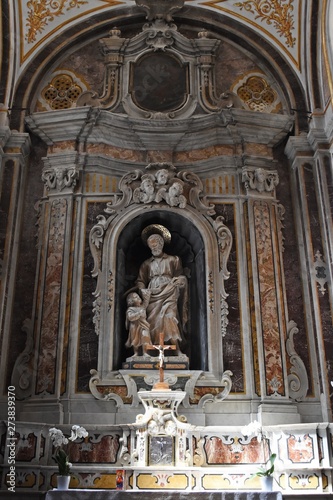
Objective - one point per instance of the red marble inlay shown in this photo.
(51, 300)
(268, 300)
(26, 447)
(235, 450)
(300, 448)
(97, 448)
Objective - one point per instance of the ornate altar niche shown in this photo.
(204, 245)
(90, 148)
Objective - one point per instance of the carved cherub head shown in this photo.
(133, 299)
(176, 189)
(147, 183)
(162, 177)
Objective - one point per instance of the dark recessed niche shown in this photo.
(159, 82)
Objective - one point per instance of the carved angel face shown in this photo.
(59, 173)
(260, 175)
(162, 176)
(176, 189)
(147, 186)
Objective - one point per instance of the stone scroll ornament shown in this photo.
(158, 185)
(298, 378)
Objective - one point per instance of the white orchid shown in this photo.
(78, 432)
(59, 439)
(253, 429)
(57, 436)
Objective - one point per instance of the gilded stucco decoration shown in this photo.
(257, 94)
(41, 20)
(41, 12)
(61, 92)
(276, 12)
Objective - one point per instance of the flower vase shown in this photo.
(267, 483)
(63, 482)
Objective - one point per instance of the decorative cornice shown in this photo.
(228, 127)
(298, 147)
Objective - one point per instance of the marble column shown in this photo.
(312, 184)
(14, 149)
(267, 289)
(53, 282)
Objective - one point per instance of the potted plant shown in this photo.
(60, 442)
(266, 473)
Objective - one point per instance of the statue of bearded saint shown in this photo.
(162, 275)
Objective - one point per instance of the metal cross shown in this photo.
(161, 348)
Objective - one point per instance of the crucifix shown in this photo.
(161, 385)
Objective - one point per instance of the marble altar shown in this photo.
(138, 495)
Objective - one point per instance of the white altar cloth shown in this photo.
(81, 494)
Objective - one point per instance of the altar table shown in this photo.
(165, 495)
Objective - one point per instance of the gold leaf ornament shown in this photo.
(41, 12)
(275, 12)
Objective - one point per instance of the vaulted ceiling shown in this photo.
(290, 36)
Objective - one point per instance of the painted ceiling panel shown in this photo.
(279, 21)
(42, 20)
(276, 20)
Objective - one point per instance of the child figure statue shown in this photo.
(136, 323)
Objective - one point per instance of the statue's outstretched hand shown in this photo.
(145, 292)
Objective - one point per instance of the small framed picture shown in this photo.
(161, 450)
